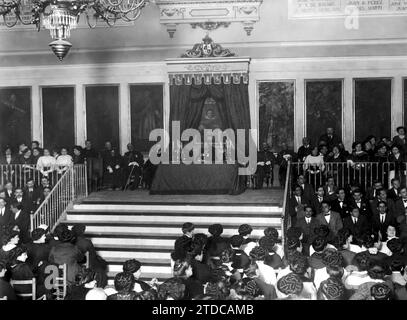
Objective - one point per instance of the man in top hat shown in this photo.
(400, 139)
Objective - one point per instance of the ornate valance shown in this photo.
(209, 78)
(207, 63)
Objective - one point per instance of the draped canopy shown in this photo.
(187, 103)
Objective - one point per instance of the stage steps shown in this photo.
(147, 231)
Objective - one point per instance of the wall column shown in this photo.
(348, 122)
(254, 110)
(396, 104)
(80, 115)
(299, 113)
(36, 115)
(124, 116)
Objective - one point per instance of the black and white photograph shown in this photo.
(221, 153)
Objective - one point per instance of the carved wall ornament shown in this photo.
(209, 25)
(207, 49)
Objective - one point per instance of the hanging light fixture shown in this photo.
(61, 16)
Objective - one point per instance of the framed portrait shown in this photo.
(146, 107)
(15, 117)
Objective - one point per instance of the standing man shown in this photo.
(400, 204)
(330, 138)
(381, 220)
(400, 139)
(340, 204)
(20, 217)
(304, 150)
(330, 218)
(307, 224)
(4, 213)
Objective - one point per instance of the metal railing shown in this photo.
(286, 219)
(345, 174)
(71, 186)
(20, 174)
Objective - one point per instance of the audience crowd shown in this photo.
(344, 243)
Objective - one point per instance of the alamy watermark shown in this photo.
(215, 146)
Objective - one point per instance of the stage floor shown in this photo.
(264, 197)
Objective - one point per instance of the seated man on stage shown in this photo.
(265, 164)
(133, 163)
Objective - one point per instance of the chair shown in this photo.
(32, 294)
(60, 283)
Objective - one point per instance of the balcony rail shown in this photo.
(70, 187)
(345, 174)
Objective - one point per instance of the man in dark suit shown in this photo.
(357, 201)
(31, 194)
(400, 204)
(382, 220)
(308, 190)
(330, 189)
(20, 217)
(400, 139)
(394, 191)
(330, 138)
(304, 150)
(356, 223)
(4, 213)
(330, 218)
(9, 189)
(381, 196)
(372, 192)
(317, 199)
(340, 204)
(19, 197)
(296, 204)
(307, 224)
(402, 226)
(44, 184)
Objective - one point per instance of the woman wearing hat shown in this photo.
(65, 252)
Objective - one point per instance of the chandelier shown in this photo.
(61, 16)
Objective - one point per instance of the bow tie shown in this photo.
(327, 214)
(405, 200)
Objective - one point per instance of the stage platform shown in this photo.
(263, 197)
(136, 225)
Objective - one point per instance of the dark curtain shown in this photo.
(187, 102)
